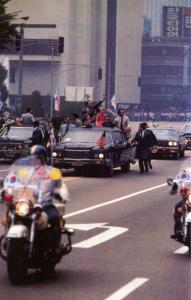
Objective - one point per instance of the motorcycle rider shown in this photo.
(49, 182)
(182, 182)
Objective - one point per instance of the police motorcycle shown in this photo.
(30, 240)
(182, 213)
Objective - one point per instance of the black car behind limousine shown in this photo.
(15, 142)
(170, 143)
(88, 148)
(186, 133)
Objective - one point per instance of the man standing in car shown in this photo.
(122, 122)
(27, 119)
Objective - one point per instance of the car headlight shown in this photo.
(54, 154)
(101, 155)
(172, 143)
(20, 146)
(22, 208)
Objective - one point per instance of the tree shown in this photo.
(3, 89)
(8, 31)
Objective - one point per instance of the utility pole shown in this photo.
(109, 83)
(20, 69)
(52, 83)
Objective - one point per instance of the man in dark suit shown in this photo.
(144, 142)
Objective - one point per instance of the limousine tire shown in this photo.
(182, 153)
(108, 171)
(126, 167)
(176, 156)
(78, 171)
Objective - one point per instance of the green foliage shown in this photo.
(7, 30)
(4, 92)
(3, 74)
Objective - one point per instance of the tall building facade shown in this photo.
(73, 73)
(166, 54)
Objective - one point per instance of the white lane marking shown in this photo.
(81, 211)
(182, 250)
(85, 227)
(128, 289)
(110, 233)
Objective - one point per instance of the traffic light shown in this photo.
(99, 73)
(18, 42)
(60, 44)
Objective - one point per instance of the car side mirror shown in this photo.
(170, 181)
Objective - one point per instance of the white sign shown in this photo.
(77, 93)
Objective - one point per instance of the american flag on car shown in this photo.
(102, 140)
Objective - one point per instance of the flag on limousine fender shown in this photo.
(57, 102)
(102, 140)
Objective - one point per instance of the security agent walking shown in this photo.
(37, 135)
(144, 142)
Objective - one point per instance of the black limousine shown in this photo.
(90, 148)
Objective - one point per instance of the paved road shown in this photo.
(122, 248)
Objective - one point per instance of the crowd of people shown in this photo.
(168, 114)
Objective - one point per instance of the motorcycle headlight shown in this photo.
(54, 154)
(22, 208)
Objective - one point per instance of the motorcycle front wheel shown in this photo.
(3, 247)
(17, 261)
(189, 239)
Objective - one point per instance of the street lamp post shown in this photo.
(20, 69)
(52, 84)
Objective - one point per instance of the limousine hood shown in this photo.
(76, 146)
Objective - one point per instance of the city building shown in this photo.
(166, 54)
(72, 73)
